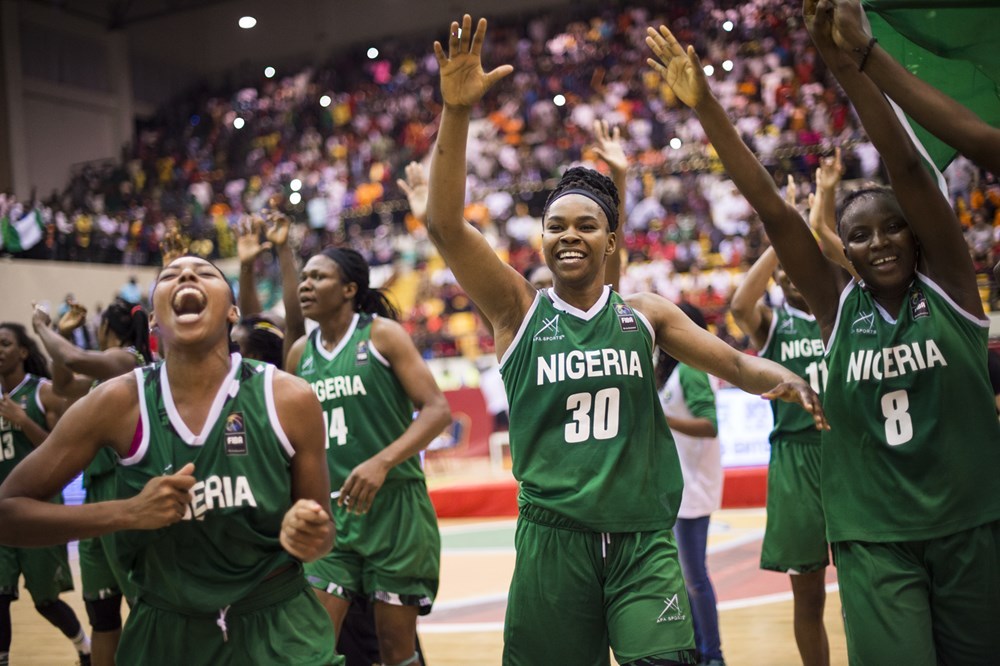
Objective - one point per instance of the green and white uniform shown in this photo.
(392, 553)
(100, 573)
(795, 535)
(219, 576)
(600, 488)
(46, 570)
(909, 472)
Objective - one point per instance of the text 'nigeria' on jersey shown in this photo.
(218, 492)
(579, 364)
(332, 388)
(888, 362)
(803, 347)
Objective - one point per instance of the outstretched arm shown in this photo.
(499, 292)
(819, 281)
(99, 365)
(823, 212)
(749, 311)
(937, 112)
(610, 148)
(944, 254)
(248, 248)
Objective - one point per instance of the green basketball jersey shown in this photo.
(588, 438)
(365, 408)
(914, 449)
(794, 342)
(227, 542)
(106, 461)
(14, 444)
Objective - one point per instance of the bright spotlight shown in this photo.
(709, 70)
(727, 65)
(728, 26)
(247, 22)
(269, 72)
(239, 123)
(372, 53)
(325, 101)
(295, 198)
(559, 100)
(675, 143)
(296, 185)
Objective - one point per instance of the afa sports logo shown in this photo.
(787, 326)
(549, 331)
(672, 610)
(864, 324)
(308, 366)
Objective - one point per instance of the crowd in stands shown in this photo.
(326, 144)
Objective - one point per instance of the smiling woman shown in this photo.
(590, 438)
(218, 502)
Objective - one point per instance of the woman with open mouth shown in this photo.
(222, 490)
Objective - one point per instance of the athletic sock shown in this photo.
(4, 658)
(82, 642)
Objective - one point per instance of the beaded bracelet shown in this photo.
(865, 52)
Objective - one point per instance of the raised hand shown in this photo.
(73, 319)
(463, 81)
(306, 530)
(276, 227)
(414, 186)
(799, 392)
(830, 170)
(40, 317)
(790, 191)
(248, 245)
(163, 500)
(609, 146)
(173, 244)
(681, 69)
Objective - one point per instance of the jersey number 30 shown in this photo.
(594, 416)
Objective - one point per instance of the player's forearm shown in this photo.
(31, 523)
(758, 375)
(446, 194)
(752, 289)
(295, 322)
(431, 420)
(249, 301)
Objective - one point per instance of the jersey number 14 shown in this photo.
(336, 426)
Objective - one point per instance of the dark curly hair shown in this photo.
(264, 340)
(600, 188)
(131, 324)
(36, 363)
(866, 193)
(354, 268)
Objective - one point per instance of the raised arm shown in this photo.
(414, 186)
(749, 311)
(307, 530)
(609, 147)
(823, 212)
(938, 113)
(433, 414)
(692, 345)
(944, 255)
(499, 292)
(28, 519)
(248, 248)
(819, 281)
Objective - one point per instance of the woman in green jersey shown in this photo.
(600, 482)
(908, 470)
(28, 410)
(222, 490)
(123, 341)
(370, 378)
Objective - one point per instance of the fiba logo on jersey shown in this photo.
(626, 318)
(549, 331)
(361, 355)
(235, 435)
(918, 304)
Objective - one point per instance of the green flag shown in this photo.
(953, 46)
(23, 234)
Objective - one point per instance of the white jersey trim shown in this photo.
(140, 453)
(521, 329)
(19, 385)
(770, 332)
(330, 355)
(594, 310)
(984, 323)
(272, 411)
(38, 394)
(227, 388)
(649, 327)
(828, 343)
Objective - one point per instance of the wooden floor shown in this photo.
(755, 607)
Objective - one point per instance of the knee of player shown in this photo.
(105, 614)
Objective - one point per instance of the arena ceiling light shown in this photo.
(295, 198)
(325, 101)
(238, 123)
(559, 100)
(372, 53)
(728, 26)
(709, 70)
(247, 22)
(675, 143)
(296, 185)
(269, 72)
(727, 65)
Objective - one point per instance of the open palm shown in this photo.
(463, 80)
(680, 69)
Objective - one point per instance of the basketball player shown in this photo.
(222, 490)
(906, 481)
(370, 378)
(600, 484)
